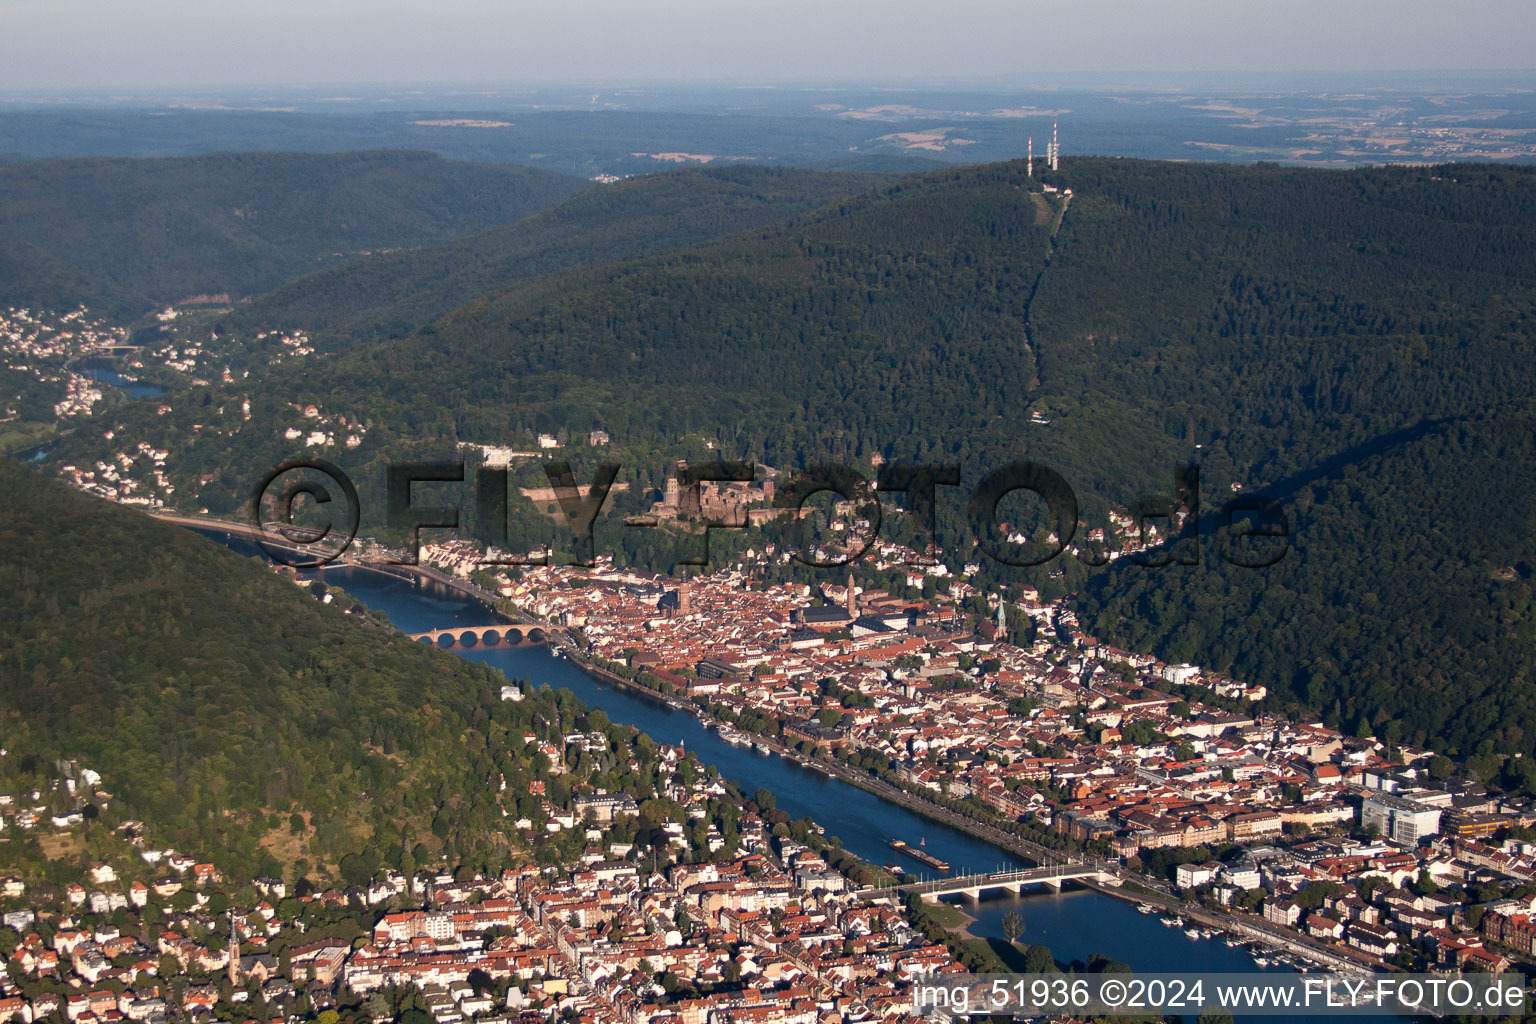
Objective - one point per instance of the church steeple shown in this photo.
(853, 608)
(234, 951)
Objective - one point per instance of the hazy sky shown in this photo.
(135, 43)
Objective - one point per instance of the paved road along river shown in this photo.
(1075, 923)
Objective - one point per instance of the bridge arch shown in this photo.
(490, 636)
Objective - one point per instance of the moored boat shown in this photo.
(902, 846)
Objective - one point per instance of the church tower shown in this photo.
(234, 952)
(853, 608)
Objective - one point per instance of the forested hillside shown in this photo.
(1405, 608)
(233, 711)
(891, 321)
(122, 236)
(1279, 316)
(390, 294)
(1359, 346)
(1351, 341)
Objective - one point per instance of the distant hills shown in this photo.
(889, 321)
(122, 236)
(395, 293)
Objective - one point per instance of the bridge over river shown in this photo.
(501, 635)
(1051, 875)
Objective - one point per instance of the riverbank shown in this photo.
(968, 843)
(1129, 888)
(1077, 923)
(955, 920)
(1125, 886)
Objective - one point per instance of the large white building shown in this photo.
(1398, 818)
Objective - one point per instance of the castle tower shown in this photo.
(853, 608)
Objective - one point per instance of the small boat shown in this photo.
(1170, 921)
(1193, 933)
(1261, 961)
(1233, 942)
(1145, 908)
(763, 748)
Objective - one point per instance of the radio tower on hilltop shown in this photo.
(1055, 146)
(1029, 163)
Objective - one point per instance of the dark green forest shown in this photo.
(1356, 343)
(239, 715)
(1404, 609)
(122, 236)
(391, 294)
(887, 322)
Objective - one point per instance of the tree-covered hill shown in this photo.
(1347, 338)
(1359, 346)
(1279, 316)
(390, 294)
(124, 235)
(1405, 608)
(229, 708)
(875, 321)
(894, 319)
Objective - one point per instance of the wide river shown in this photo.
(1075, 923)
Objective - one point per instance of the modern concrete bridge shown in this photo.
(973, 886)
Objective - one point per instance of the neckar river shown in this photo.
(1074, 923)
